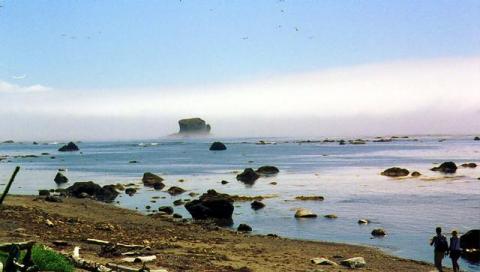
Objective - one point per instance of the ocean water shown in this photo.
(346, 175)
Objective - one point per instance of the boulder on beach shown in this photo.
(355, 262)
(217, 146)
(60, 178)
(304, 213)
(106, 193)
(193, 126)
(248, 176)
(415, 174)
(395, 172)
(211, 205)
(130, 191)
(70, 147)
(446, 168)
(378, 232)
(152, 180)
(166, 209)
(470, 240)
(469, 165)
(257, 205)
(174, 190)
(267, 170)
(244, 228)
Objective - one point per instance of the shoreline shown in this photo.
(179, 245)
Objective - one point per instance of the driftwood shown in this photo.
(9, 184)
(106, 243)
(123, 268)
(140, 259)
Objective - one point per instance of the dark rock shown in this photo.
(35, 143)
(248, 176)
(267, 170)
(257, 205)
(415, 174)
(60, 178)
(218, 146)
(341, 142)
(176, 215)
(211, 205)
(133, 162)
(331, 216)
(106, 193)
(166, 209)
(9, 142)
(316, 198)
(193, 126)
(53, 199)
(174, 190)
(224, 182)
(476, 138)
(378, 232)
(304, 213)
(71, 146)
(471, 239)
(469, 165)
(395, 172)
(178, 202)
(148, 207)
(244, 228)
(152, 180)
(446, 167)
(130, 191)
(43, 192)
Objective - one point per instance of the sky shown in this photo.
(105, 70)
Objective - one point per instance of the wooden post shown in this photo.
(12, 178)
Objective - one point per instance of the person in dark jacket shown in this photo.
(455, 251)
(440, 247)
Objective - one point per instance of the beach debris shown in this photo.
(363, 221)
(152, 180)
(331, 216)
(122, 268)
(12, 263)
(60, 178)
(395, 172)
(304, 213)
(106, 193)
(446, 167)
(130, 191)
(257, 205)
(217, 146)
(415, 174)
(244, 228)
(248, 176)
(70, 147)
(140, 259)
(174, 190)
(9, 184)
(316, 198)
(469, 165)
(355, 262)
(323, 261)
(267, 170)
(128, 246)
(379, 232)
(211, 205)
(166, 209)
(49, 223)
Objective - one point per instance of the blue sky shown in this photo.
(105, 44)
(292, 68)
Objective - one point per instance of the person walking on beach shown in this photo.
(455, 251)
(440, 247)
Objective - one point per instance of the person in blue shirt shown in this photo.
(455, 251)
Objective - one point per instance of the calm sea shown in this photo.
(346, 175)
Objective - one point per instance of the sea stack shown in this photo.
(193, 126)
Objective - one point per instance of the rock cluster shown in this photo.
(106, 193)
(211, 205)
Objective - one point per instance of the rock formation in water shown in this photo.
(193, 126)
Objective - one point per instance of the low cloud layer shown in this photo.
(408, 97)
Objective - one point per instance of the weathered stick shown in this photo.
(104, 243)
(12, 178)
(142, 259)
(123, 268)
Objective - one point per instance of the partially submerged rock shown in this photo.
(323, 261)
(248, 176)
(469, 165)
(331, 216)
(446, 168)
(152, 180)
(106, 193)
(304, 213)
(130, 191)
(166, 209)
(244, 228)
(378, 232)
(217, 146)
(355, 262)
(395, 172)
(174, 190)
(267, 170)
(60, 178)
(316, 198)
(257, 205)
(211, 205)
(415, 174)
(70, 147)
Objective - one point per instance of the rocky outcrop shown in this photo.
(248, 176)
(470, 240)
(217, 146)
(60, 178)
(166, 209)
(152, 180)
(70, 147)
(257, 205)
(211, 205)
(106, 193)
(476, 138)
(244, 228)
(193, 126)
(446, 168)
(174, 190)
(395, 172)
(267, 170)
(304, 213)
